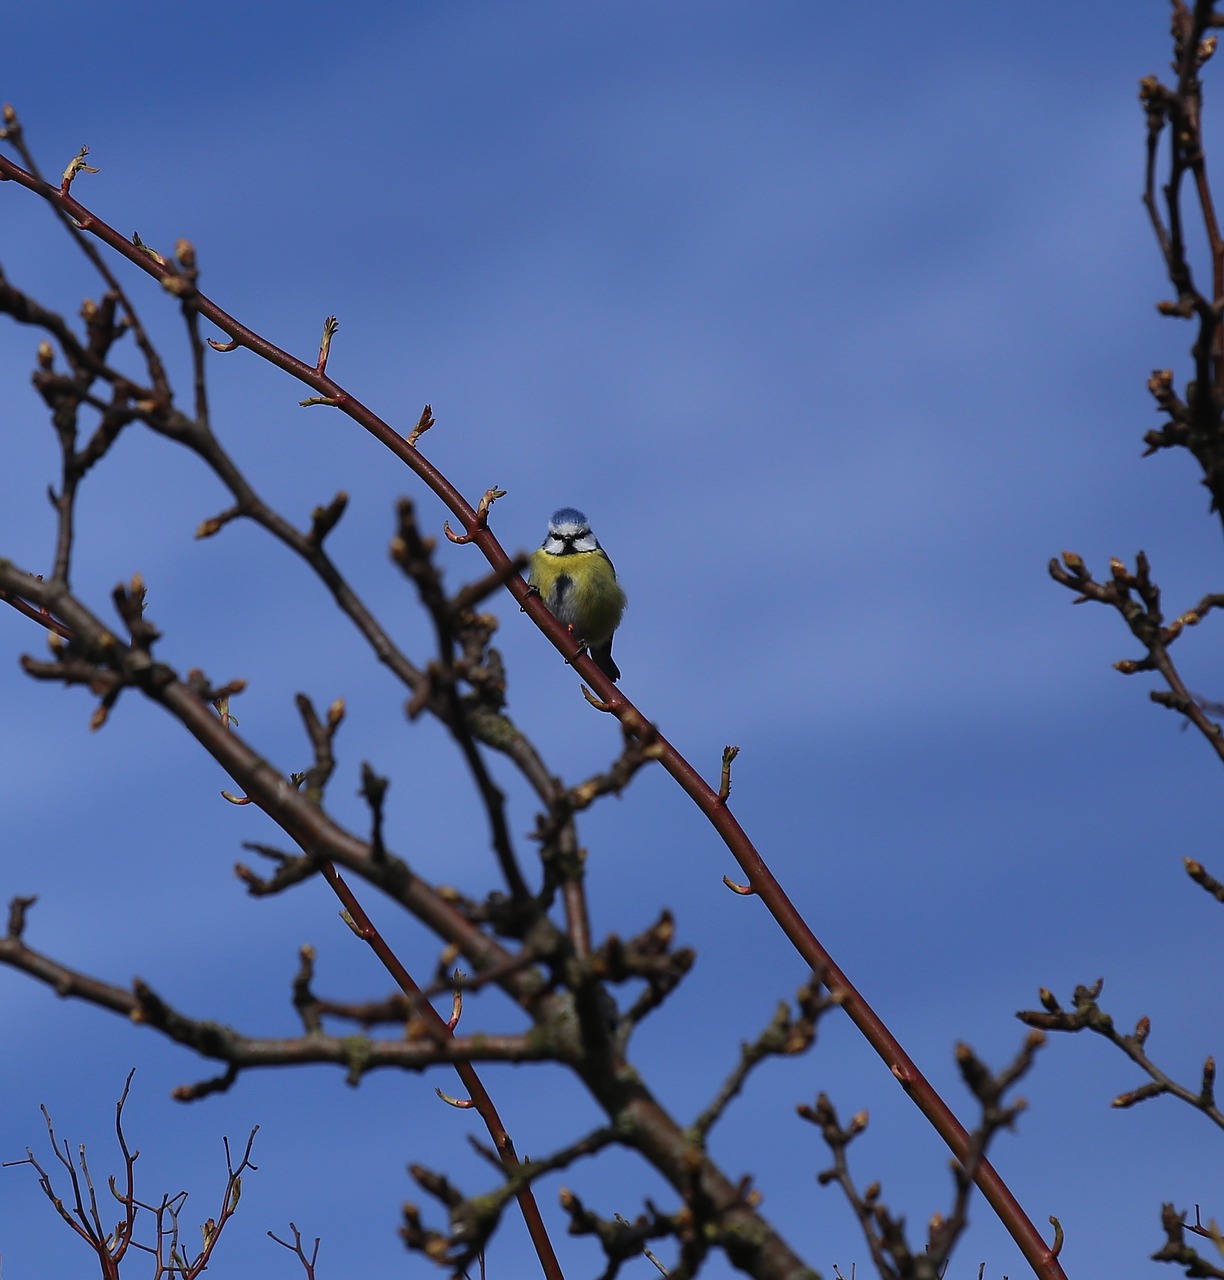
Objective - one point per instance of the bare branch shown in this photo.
(1088, 1015)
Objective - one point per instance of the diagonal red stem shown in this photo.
(441, 1032)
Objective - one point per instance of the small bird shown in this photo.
(577, 582)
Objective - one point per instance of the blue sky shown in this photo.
(836, 322)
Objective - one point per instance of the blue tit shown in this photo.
(577, 582)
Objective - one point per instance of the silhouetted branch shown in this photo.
(308, 1264)
(785, 1035)
(885, 1233)
(473, 1219)
(620, 1239)
(110, 1246)
(1089, 1016)
(212, 1039)
(1177, 1251)
(1137, 598)
(648, 957)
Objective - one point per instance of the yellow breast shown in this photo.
(581, 591)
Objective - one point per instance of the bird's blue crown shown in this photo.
(568, 517)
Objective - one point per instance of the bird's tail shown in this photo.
(602, 654)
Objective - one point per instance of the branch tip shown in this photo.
(1056, 1247)
(724, 787)
(330, 325)
(481, 520)
(75, 165)
(598, 703)
(147, 250)
(424, 422)
(463, 1104)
